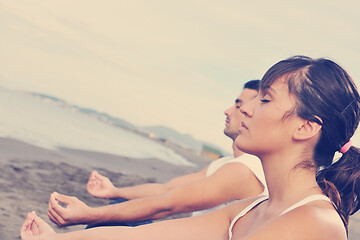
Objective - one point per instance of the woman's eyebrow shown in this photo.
(269, 90)
(272, 90)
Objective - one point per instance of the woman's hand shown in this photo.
(35, 228)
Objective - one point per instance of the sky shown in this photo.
(162, 62)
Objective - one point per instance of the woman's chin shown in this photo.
(240, 142)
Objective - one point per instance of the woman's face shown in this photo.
(267, 127)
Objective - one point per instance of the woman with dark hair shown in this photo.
(307, 110)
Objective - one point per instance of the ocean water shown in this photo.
(43, 124)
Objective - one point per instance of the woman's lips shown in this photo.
(243, 125)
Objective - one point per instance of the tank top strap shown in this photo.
(245, 211)
(307, 200)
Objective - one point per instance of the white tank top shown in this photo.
(264, 198)
(250, 161)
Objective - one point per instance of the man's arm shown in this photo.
(232, 181)
(101, 186)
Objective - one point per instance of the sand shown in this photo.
(29, 174)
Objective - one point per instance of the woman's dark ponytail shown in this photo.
(341, 183)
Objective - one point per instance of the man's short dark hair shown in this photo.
(253, 84)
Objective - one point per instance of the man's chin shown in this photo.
(231, 134)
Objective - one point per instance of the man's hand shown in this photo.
(34, 228)
(75, 212)
(100, 186)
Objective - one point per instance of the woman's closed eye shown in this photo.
(264, 97)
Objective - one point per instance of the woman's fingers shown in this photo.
(27, 223)
(29, 227)
(42, 226)
(34, 226)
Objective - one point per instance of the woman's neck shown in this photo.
(288, 181)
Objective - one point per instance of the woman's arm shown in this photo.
(208, 226)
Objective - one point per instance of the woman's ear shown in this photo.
(307, 130)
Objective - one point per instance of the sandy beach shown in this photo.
(29, 174)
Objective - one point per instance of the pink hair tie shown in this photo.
(346, 147)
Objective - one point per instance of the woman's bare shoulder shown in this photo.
(318, 219)
(311, 221)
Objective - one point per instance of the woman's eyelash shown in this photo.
(264, 100)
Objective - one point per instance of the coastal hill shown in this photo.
(160, 133)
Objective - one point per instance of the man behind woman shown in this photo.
(307, 110)
(222, 181)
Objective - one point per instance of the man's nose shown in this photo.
(229, 111)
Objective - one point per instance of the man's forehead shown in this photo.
(246, 95)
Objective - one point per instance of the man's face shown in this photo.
(233, 114)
